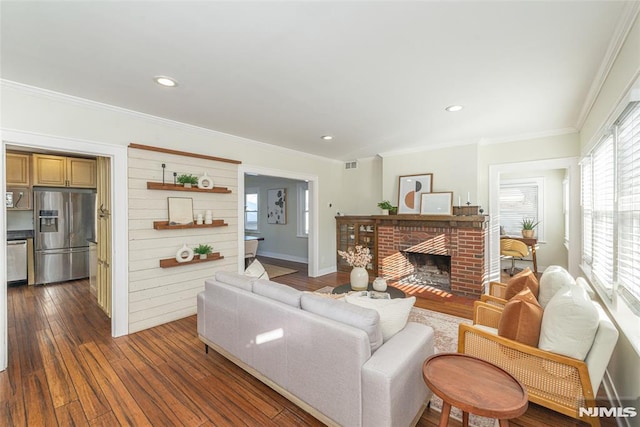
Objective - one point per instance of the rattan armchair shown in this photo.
(557, 382)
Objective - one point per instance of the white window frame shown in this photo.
(566, 211)
(622, 306)
(303, 209)
(249, 191)
(539, 183)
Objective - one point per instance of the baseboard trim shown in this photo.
(614, 398)
(285, 257)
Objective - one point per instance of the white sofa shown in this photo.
(307, 348)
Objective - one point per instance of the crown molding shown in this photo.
(87, 103)
(627, 19)
(527, 136)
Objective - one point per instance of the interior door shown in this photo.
(103, 275)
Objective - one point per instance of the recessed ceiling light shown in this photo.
(165, 81)
(454, 108)
(327, 137)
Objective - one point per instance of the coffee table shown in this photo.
(475, 386)
(393, 292)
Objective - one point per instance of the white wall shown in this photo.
(280, 240)
(38, 112)
(159, 295)
(453, 168)
(361, 188)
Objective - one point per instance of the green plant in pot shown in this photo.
(528, 226)
(187, 180)
(387, 208)
(203, 250)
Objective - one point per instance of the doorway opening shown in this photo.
(117, 237)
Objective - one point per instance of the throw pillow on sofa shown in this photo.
(525, 279)
(358, 317)
(521, 319)
(569, 323)
(256, 269)
(394, 313)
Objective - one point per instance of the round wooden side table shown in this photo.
(475, 386)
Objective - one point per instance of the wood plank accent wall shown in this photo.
(158, 295)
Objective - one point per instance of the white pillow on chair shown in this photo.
(569, 323)
(553, 279)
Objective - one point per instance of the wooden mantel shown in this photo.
(448, 221)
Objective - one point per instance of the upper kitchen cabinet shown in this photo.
(18, 169)
(58, 171)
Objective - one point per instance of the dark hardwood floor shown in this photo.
(65, 369)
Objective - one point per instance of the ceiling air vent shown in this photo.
(351, 165)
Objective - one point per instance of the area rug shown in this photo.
(445, 328)
(277, 271)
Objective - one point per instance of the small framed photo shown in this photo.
(409, 189)
(436, 203)
(180, 210)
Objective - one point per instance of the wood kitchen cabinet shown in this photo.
(18, 169)
(58, 171)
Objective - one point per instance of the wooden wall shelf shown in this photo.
(180, 187)
(171, 262)
(164, 225)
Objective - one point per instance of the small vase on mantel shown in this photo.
(359, 279)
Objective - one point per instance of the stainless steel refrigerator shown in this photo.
(64, 224)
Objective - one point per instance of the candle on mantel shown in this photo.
(468, 197)
(459, 201)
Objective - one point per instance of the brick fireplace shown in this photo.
(460, 239)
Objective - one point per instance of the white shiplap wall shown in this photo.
(159, 295)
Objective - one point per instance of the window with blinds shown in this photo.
(611, 209)
(520, 199)
(628, 155)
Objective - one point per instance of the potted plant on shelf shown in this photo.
(203, 250)
(387, 208)
(359, 260)
(187, 180)
(528, 226)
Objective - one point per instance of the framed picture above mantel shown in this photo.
(410, 187)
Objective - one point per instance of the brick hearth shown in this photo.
(461, 237)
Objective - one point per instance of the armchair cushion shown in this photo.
(552, 280)
(522, 280)
(521, 319)
(569, 323)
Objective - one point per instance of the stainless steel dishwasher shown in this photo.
(16, 260)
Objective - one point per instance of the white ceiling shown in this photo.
(376, 74)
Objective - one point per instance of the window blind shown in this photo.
(628, 157)
(517, 201)
(611, 209)
(603, 213)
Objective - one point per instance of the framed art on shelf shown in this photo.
(180, 210)
(277, 206)
(409, 189)
(436, 203)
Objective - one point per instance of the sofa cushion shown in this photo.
(256, 269)
(277, 291)
(394, 313)
(525, 279)
(358, 317)
(521, 318)
(569, 323)
(552, 280)
(234, 279)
